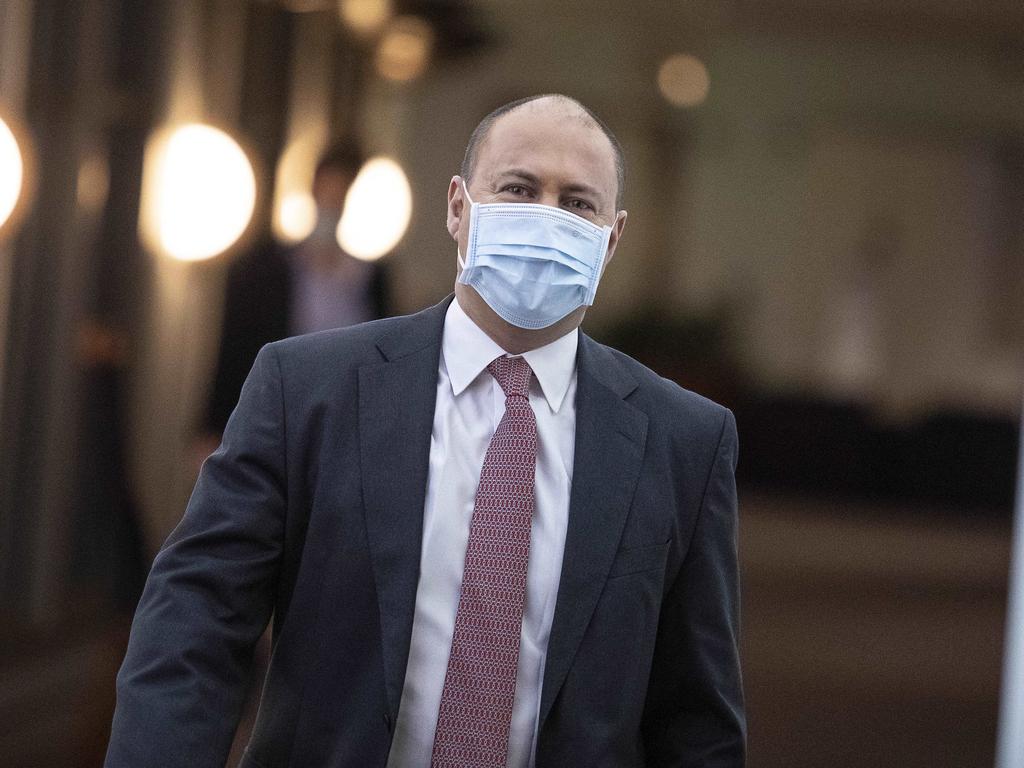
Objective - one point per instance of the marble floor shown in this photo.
(872, 636)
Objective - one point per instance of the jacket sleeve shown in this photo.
(694, 714)
(209, 596)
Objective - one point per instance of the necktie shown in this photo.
(480, 684)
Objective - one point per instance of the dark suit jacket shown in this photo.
(311, 511)
(257, 311)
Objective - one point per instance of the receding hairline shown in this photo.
(580, 110)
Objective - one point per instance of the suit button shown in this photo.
(387, 720)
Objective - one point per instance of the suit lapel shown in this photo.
(610, 438)
(396, 413)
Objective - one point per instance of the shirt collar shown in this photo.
(467, 351)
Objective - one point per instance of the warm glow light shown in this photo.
(296, 216)
(12, 172)
(294, 208)
(683, 80)
(377, 210)
(365, 17)
(404, 50)
(199, 193)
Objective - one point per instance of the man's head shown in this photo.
(335, 172)
(583, 112)
(549, 150)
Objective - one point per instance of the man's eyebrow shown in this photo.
(586, 189)
(519, 173)
(526, 176)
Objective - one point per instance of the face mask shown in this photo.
(532, 264)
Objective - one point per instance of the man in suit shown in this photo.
(484, 538)
(275, 291)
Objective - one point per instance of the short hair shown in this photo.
(484, 127)
(345, 156)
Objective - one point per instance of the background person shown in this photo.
(275, 291)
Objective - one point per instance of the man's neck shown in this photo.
(511, 338)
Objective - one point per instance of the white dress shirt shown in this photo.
(468, 408)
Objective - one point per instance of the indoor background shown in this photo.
(826, 234)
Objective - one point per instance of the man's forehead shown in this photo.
(547, 119)
(552, 105)
(545, 132)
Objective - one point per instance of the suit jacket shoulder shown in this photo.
(666, 404)
(322, 356)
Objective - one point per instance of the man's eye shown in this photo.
(516, 189)
(580, 205)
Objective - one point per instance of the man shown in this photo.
(275, 291)
(485, 539)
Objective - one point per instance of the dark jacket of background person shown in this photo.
(310, 512)
(258, 310)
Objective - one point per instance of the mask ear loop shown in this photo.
(599, 268)
(471, 242)
(465, 194)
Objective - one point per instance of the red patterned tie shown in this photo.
(480, 685)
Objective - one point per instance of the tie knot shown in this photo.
(512, 375)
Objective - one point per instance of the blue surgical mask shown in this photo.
(532, 264)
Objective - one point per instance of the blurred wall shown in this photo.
(279, 81)
(58, 57)
(831, 170)
(847, 201)
(15, 18)
(844, 195)
(176, 342)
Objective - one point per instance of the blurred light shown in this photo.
(404, 50)
(293, 180)
(12, 173)
(377, 210)
(296, 217)
(93, 183)
(683, 80)
(365, 17)
(199, 193)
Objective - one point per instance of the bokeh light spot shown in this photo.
(199, 193)
(683, 80)
(404, 49)
(377, 210)
(12, 172)
(365, 17)
(296, 216)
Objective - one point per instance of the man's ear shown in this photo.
(456, 206)
(613, 240)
